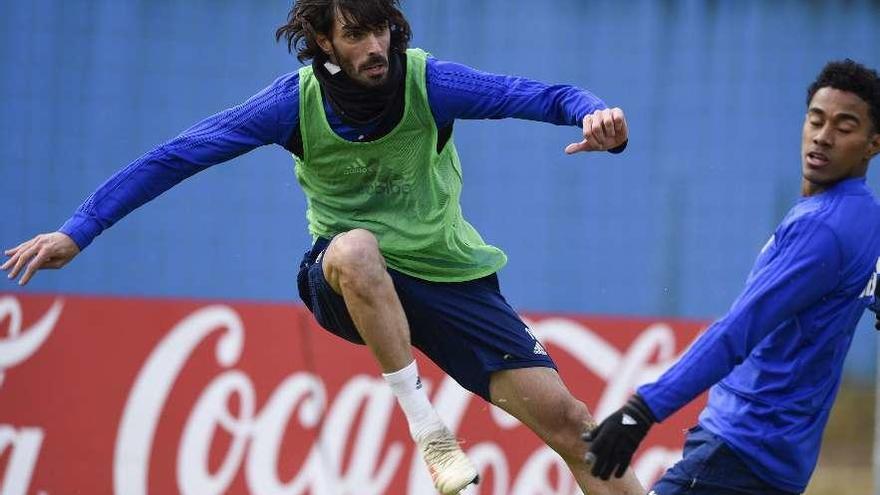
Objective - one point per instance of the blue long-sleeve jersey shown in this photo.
(776, 358)
(455, 92)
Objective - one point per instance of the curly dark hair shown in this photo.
(308, 18)
(853, 77)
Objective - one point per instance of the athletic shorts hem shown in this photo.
(519, 364)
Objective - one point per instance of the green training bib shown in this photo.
(397, 187)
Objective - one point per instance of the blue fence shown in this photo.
(714, 92)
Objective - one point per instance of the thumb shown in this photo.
(575, 147)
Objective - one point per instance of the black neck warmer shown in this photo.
(359, 105)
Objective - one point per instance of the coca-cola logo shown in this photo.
(302, 399)
(16, 346)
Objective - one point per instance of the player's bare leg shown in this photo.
(538, 398)
(354, 268)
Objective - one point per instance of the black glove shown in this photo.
(616, 439)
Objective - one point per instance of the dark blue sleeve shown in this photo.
(456, 91)
(805, 267)
(268, 117)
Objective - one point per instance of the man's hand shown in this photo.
(52, 250)
(603, 130)
(616, 439)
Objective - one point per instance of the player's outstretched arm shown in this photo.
(52, 250)
(603, 130)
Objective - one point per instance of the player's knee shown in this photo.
(572, 419)
(354, 258)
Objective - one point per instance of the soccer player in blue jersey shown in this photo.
(774, 361)
(394, 263)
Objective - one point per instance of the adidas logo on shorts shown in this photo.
(539, 349)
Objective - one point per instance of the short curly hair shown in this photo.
(308, 18)
(852, 77)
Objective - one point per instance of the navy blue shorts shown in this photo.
(467, 328)
(710, 467)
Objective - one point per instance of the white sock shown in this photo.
(407, 387)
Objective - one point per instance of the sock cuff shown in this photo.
(407, 374)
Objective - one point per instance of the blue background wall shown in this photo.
(714, 92)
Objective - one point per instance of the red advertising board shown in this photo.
(103, 395)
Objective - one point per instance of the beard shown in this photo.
(356, 73)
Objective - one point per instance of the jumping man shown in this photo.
(394, 264)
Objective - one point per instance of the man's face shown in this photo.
(361, 51)
(838, 139)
